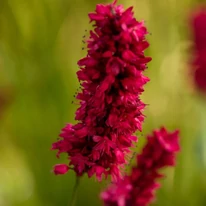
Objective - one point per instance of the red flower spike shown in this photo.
(112, 80)
(198, 27)
(138, 188)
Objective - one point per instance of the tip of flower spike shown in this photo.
(60, 169)
(168, 140)
(114, 2)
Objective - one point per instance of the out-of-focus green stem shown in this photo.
(74, 194)
(203, 130)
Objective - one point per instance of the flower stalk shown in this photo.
(74, 193)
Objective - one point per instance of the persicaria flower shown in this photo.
(198, 27)
(112, 80)
(137, 189)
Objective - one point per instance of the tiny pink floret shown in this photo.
(60, 169)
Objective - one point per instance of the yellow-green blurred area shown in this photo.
(40, 44)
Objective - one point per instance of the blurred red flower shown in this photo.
(137, 189)
(198, 27)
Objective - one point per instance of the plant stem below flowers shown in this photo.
(74, 194)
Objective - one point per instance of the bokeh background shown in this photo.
(40, 43)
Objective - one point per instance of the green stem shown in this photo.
(203, 131)
(74, 194)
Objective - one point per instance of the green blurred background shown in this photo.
(40, 43)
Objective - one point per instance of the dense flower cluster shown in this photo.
(138, 188)
(199, 37)
(112, 80)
